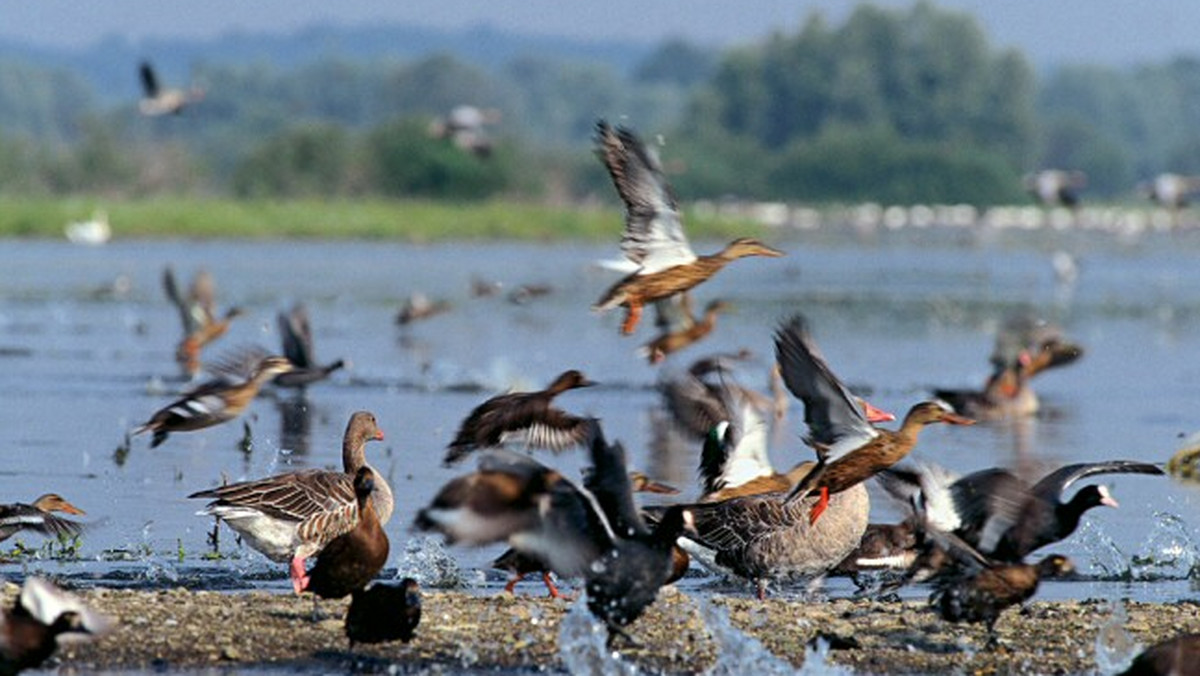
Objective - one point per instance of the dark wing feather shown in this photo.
(989, 503)
(297, 496)
(297, 337)
(149, 80)
(1051, 486)
(609, 483)
(835, 421)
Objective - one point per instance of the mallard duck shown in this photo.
(654, 237)
(290, 517)
(157, 100)
(351, 560)
(212, 403)
(384, 612)
(38, 516)
(296, 334)
(522, 564)
(678, 327)
(530, 416)
(197, 311)
(29, 630)
(594, 532)
(1177, 656)
(849, 448)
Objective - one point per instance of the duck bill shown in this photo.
(71, 509)
(955, 419)
(378, 435)
(660, 488)
(874, 414)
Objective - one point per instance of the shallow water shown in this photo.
(894, 314)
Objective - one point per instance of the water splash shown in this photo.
(426, 560)
(1105, 558)
(738, 653)
(1115, 648)
(582, 645)
(1167, 553)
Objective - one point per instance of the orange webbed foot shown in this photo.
(554, 592)
(632, 316)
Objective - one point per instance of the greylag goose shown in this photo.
(290, 517)
(351, 560)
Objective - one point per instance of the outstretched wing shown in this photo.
(1052, 485)
(149, 80)
(654, 237)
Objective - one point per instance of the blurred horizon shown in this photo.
(1105, 32)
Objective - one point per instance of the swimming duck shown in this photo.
(351, 560)
(157, 100)
(297, 339)
(29, 630)
(212, 403)
(594, 532)
(197, 311)
(1025, 347)
(654, 238)
(527, 415)
(849, 448)
(290, 517)
(38, 516)
(678, 327)
(1177, 656)
(1053, 187)
(522, 564)
(384, 612)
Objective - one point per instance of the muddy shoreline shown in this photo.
(181, 629)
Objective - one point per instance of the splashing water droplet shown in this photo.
(738, 653)
(582, 645)
(1105, 558)
(1115, 648)
(1167, 553)
(425, 559)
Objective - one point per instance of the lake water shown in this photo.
(894, 313)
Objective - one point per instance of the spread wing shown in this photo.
(297, 337)
(654, 237)
(1051, 487)
(989, 503)
(836, 422)
(149, 80)
(673, 314)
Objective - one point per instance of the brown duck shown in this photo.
(351, 560)
(198, 313)
(850, 449)
(984, 595)
(1178, 656)
(678, 327)
(528, 415)
(213, 402)
(39, 516)
(654, 239)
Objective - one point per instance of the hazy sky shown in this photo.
(1115, 31)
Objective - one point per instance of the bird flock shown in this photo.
(970, 538)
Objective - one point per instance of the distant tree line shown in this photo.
(897, 105)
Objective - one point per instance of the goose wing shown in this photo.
(296, 334)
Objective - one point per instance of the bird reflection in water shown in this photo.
(295, 422)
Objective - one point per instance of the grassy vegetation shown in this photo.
(409, 220)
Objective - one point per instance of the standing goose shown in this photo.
(593, 532)
(157, 100)
(849, 449)
(351, 560)
(213, 402)
(38, 516)
(297, 340)
(654, 239)
(198, 314)
(528, 415)
(290, 517)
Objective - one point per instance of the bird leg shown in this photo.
(819, 508)
(298, 574)
(511, 587)
(632, 315)
(762, 589)
(554, 592)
